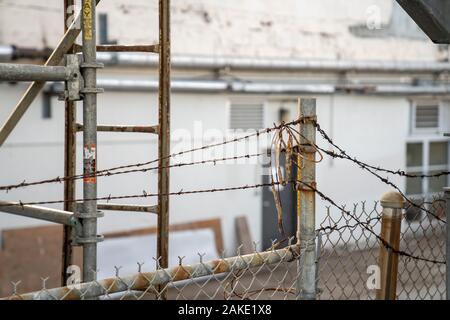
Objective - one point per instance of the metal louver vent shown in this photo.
(246, 116)
(427, 117)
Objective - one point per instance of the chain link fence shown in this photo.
(268, 275)
(349, 252)
(347, 256)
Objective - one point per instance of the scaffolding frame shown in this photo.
(80, 220)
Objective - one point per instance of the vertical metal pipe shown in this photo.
(89, 214)
(447, 256)
(164, 132)
(392, 203)
(307, 220)
(299, 177)
(69, 162)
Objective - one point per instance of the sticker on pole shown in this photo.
(90, 163)
(87, 20)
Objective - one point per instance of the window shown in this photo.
(426, 117)
(246, 116)
(427, 152)
(427, 157)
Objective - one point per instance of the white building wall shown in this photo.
(372, 128)
(256, 28)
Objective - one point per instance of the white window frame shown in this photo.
(426, 168)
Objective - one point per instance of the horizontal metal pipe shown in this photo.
(130, 129)
(264, 64)
(290, 65)
(154, 48)
(6, 53)
(28, 72)
(40, 213)
(127, 207)
(141, 281)
(272, 87)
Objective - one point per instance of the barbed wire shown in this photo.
(296, 183)
(274, 183)
(336, 227)
(144, 170)
(343, 154)
(364, 225)
(144, 194)
(371, 169)
(108, 171)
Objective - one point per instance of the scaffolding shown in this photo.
(79, 72)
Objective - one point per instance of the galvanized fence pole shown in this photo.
(393, 204)
(89, 213)
(447, 256)
(306, 234)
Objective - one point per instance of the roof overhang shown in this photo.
(432, 16)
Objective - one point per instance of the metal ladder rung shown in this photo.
(128, 207)
(152, 48)
(130, 129)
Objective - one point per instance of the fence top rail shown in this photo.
(142, 281)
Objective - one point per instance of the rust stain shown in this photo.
(220, 266)
(182, 273)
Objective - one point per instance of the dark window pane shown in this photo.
(437, 184)
(414, 185)
(438, 153)
(414, 155)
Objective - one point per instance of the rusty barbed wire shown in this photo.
(144, 194)
(343, 155)
(371, 169)
(337, 227)
(108, 171)
(366, 226)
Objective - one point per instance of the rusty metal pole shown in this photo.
(447, 257)
(89, 212)
(164, 132)
(69, 162)
(306, 285)
(393, 204)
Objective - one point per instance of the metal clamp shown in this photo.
(75, 82)
(92, 65)
(77, 230)
(84, 240)
(80, 213)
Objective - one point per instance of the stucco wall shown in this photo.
(260, 28)
(35, 151)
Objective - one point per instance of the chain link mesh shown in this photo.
(348, 251)
(268, 275)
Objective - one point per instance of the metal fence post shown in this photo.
(89, 213)
(69, 164)
(164, 133)
(447, 256)
(306, 234)
(393, 204)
